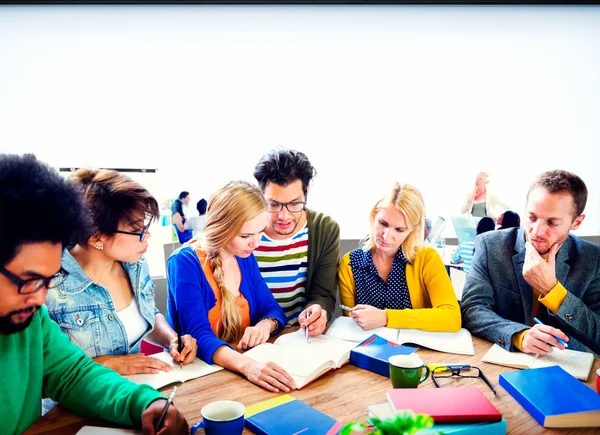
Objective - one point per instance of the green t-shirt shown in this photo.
(42, 357)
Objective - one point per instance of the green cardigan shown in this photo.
(323, 258)
(42, 357)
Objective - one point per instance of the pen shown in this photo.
(539, 322)
(344, 307)
(306, 329)
(164, 411)
(179, 349)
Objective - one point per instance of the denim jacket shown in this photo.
(84, 310)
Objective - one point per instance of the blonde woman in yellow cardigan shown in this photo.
(393, 280)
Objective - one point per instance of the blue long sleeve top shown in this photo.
(190, 297)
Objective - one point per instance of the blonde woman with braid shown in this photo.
(216, 292)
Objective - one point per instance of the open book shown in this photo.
(344, 328)
(578, 364)
(192, 370)
(304, 361)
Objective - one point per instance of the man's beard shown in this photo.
(7, 326)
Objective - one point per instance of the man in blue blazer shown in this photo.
(539, 271)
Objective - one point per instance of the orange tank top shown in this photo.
(214, 315)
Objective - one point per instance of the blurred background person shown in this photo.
(481, 201)
(196, 223)
(464, 251)
(178, 218)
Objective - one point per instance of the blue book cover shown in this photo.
(285, 415)
(553, 397)
(383, 411)
(373, 354)
(495, 428)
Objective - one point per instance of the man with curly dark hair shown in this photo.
(36, 356)
(299, 251)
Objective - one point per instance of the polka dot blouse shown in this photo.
(371, 288)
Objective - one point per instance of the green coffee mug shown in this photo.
(406, 371)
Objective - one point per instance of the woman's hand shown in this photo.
(269, 376)
(255, 335)
(189, 351)
(133, 364)
(368, 317)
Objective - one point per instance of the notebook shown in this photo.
(373, 354)
(445, 405)
(193, 370)
(305, 362)
(578, 364)
(285, 415)
(382, 411)
(553, 397)
(96, 430)
(344, 328)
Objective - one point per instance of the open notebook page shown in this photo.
(344, 328)
(461, 342)
(193, 370)
(578, 364)
(96, 430)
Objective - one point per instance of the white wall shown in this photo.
(424, 94)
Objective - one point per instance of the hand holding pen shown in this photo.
(183, 349)
(161, 417)
(313, 319)
(541, 339)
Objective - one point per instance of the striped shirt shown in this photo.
(283, 265)
(464, 252)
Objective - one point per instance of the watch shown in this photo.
(274, 320)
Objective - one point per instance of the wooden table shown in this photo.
(343, 394)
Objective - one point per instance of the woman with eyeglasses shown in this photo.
(106, 303)
(216, 292)
(394, 280)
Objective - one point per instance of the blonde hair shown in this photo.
(229, 208)
(408, 200)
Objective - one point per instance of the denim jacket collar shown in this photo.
(79, 281)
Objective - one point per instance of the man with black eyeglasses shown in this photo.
(299, 251)
(34, 354)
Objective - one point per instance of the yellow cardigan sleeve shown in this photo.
(435, 307)
(346, 284)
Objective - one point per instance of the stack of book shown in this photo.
(463, 410)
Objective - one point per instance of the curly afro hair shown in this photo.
(37, 204)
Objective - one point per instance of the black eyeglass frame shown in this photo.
(455, 370)
(287, 206)
(44, 282)
(141, 235)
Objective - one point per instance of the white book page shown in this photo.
(459, 342)
(344, 328)
(578, 364)
(96, 430)
(325, 347)
(194, 370)
(500, 356)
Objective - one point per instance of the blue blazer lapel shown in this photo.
(525, 289)
(562, 265)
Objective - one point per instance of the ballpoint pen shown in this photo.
(308, 313)
(159, 422)
(179, 349)
(539, 322)
(344, 307)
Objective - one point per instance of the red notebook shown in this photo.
(445, 405)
